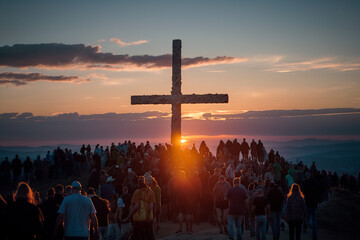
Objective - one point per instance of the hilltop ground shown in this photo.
(338, 218)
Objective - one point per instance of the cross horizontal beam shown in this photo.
(179, 99)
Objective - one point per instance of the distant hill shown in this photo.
(32, 152)
(340, 156)
(333, 155)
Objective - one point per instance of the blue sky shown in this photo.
(281, 55)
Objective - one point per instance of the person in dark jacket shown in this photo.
(25, 220)
(102, 211)
(276, 200)
(28, 168)
(295, 211)
(59, 194)
(49, 209)
(312, 190)
(16, 166)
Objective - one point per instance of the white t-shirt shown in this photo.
(77, 209)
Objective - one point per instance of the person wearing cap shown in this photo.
(75, 212)
(107, 190)
(142, 210)
(152, 183)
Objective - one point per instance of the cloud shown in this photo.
(331, 63)
(275, 114)
(124, 44)
(79, 56)
(201, 61)
(19, 79)
(67, 127)
(267, 58)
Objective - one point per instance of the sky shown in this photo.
(77, 63)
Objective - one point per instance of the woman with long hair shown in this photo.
(24, 218)
(295, 210)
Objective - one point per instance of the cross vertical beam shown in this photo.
(176, 90)
(177, 98)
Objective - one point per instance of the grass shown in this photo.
(339, 217)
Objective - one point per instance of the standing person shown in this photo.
(123, 210)
(312, 200)
(221, 205)
(254, 150)
(16, 166)
(152, 183)
(142, 210)
(25, 220)
(75, 212)
(183, 195)
(49, 209)
(260, 208)
(59, 194)
(102, 210)
(113, 230)
(6, 171)
(238, 206)
(295, 211)
(213, 179)
(245, 149)
(276, 200)
(260, 151)
(28, 168)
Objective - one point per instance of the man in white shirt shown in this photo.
(75, 212)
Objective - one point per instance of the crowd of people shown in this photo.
(132, 188)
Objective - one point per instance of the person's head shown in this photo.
(24, 191)
(59, 189)
(91, 192)
(237, 181)
(50, 193)
(125, 189)
(148, 178)
(222, 178)
(68, 190)
(260, 192)
(141, 182)
(76, 187)
(295, 190)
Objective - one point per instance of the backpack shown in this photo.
(142, 214)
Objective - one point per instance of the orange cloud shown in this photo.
(125, 44)
(79, 56)
(19, 79)
(331, 63)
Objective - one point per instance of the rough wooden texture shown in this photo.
(176, 68)
(177, 98)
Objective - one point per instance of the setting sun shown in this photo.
(183, 140)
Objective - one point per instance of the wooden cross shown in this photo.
(177, 98)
